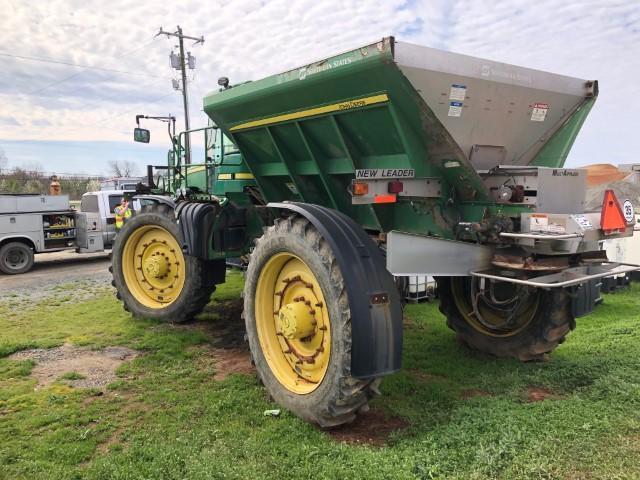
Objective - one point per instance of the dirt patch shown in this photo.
(221, 322)
(227, 352)
(369, 428)
(94, 368)
(223, 361)
(232, 360)
(535, 394)
(472, 393)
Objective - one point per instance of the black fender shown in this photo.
(196, 221)
(374, 302)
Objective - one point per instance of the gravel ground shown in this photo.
(91, 368)
(83, 276)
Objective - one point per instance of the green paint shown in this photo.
(555, 151)
(303, 133)
(303, 149)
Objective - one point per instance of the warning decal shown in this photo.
(539, 112)
(583, 221)
(538, 223)
(455, 109)
(458, 92)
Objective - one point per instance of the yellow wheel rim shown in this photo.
(292, 321)
(153, 266)
(492, 320)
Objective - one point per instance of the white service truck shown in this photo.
(31, 224)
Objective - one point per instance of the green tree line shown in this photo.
(20, 180)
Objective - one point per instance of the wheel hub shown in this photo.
(16, 258)
(154, 266)
(295, 320)
(157, 266)
(293, 323)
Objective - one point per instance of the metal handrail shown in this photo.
(542, 236)
(615, 270)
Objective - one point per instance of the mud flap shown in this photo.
(374, 302)
(196, 222)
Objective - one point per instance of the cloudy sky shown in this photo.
(75, 73)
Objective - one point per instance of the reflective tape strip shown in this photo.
(244, 176)
(235, 176)
(334, 107)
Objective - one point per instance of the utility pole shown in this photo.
(178, 62)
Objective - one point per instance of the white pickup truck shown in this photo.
(31, 224)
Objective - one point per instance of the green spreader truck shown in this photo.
(390, 159)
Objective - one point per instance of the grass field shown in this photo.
(168, 414)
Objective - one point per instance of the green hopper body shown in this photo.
(390, 105)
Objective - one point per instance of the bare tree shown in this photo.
(122, 168)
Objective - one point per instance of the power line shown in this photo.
(71, 77)
(53, 84)
(88, 67)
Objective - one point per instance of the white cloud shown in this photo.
(247, 39)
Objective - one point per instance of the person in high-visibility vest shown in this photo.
(122, 212)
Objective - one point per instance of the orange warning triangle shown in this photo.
(611, 219)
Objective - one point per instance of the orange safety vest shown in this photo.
(122, 214)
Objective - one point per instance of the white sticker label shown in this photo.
(627, 210)
(539, 112)
(455, 109)
(458, 92)
(375, 173)
(583, 221)
(538, 223)
(556, 228)
(541, 223)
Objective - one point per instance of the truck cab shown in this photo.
(98, 208)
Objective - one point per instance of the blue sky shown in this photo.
(72, 119)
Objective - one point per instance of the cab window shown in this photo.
(89, 203)
(114, 201)
(229, 146)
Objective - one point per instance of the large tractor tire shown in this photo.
(506, 320)
(153, 278)
(299, 327)
(15, 258)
